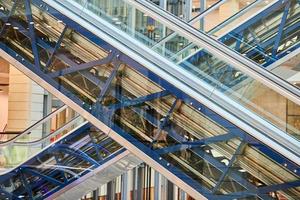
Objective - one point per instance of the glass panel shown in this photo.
(220, 76)
(124, 97)
(18, 147)
(65, 161)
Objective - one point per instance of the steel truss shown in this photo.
(258, 39)
(59, 165)
(108, 113)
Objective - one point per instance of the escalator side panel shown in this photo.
(160, 84)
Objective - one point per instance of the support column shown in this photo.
(95, 194)
(140, 183)
(110, 194)
(202, 8)
(188, 10)
(170, 191)
(157, 186)
(125, 192)
(182, 194)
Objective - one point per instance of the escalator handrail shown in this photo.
(260, 129)
(223, 24)
(32, 127)
(219, 50)
(49, 145)
(53, 134)
(192, 21)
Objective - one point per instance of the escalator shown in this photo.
(63, 163)
(183, 139)
(68, 153)
(18, 147)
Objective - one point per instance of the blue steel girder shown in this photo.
(195, 144)
(76, 153)
(280, 28)
(139, 100)
(9, 195)
(179, 94)
(95, 147)
(45, 177)
(75, 67)
(32, 33)
(59, 162)
(261, 190)
(262, 46)
(56, 47)
(237, 152)
(26, 185)
(38, 174)
(108, 82)
(5, 20)
(164, 121)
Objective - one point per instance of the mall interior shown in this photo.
(149, 99)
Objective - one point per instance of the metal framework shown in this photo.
(59, 165)
(256, 39)
(105, 113)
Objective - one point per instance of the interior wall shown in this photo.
(3, 108)
(4, 70)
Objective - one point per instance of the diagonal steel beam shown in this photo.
(108, 82)
(57, 45)
(35, 173)
(32, 35)
(189, 145)
(262, 190)
(228, 167)
(26, 184)
(75, 67)
(6, 18)
(139, 100)
(76, 153)
(165, 120)
(280, 28)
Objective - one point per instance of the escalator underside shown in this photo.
(209, 153)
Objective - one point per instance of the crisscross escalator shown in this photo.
(179, 136)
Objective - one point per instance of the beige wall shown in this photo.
(3, 108)
(25, 101)
(4, 70)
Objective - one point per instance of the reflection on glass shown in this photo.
(126, 98)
